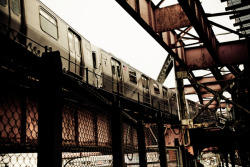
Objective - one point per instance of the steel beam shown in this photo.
(165, 70)
(170, 18)
(190, 90)
(229, 53)
(225, 28)
(210, 82)
(214, 104)
(219, 94)
(198, 19)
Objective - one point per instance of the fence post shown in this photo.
(50, 111)
(87, 75)
(117, 134)
(161, 141)
(141, 144)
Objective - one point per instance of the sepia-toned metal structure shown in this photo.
(212, 68)
(65, 102)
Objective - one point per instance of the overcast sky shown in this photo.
(107, 25)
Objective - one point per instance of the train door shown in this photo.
(11, 13)
(15, 14)
(4, 11)
(116, 76)
(74, 53)
(145, 87)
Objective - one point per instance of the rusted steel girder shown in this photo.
(229, 53)
(215, 104)
(219, 94)
(170, 18)
(198, 19)
(210, 82)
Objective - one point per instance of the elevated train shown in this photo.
(36, 21)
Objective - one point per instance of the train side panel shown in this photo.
(55, 39)
(131, 84)
(106, 70)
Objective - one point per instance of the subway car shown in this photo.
(82, 59)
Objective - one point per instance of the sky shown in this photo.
(107, 25)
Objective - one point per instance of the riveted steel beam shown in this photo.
(229, 53)
(198, 19)
(170, 18)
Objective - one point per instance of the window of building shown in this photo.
(15, 6)
(132, 76)
(94, 59)
(3, 2)
(156, 89)
(48, 24)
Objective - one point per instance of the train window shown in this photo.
(144, 82)
(3, 2)
(48, 24)
(15, 6)
(94, 59)
(118, 69)
(71, 42)
(156, 89)
(165, 93)
(113, 67)
(132, 76)
(77, 46)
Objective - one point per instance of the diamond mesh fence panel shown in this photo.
(86, 134)
(130, 142)
(151, 137)
(18, 128)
